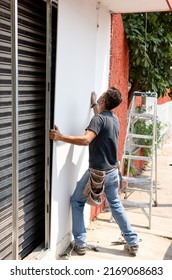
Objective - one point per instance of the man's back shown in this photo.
(103, 149)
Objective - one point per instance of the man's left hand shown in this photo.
(54, 134)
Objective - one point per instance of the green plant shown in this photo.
(132, 170)
(150, 52)
(146, 128)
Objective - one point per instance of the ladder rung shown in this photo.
(141, 146)
(135, 204)
(139, 181)
(147, 94)
(136, 180)
(138, 189)
(140, 136)
(137, 157)
(138, 184)
(142, 115)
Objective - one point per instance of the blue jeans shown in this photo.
(78, 200)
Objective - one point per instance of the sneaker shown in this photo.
(133, 249)
(80, 250)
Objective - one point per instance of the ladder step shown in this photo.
(131, 189)
(145, 94)
(136, 180)
(143, 116)
(140, 136)
(137, 184)
(137, 157)
(129, 203)
(141, 146)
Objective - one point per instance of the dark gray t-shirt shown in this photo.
(103, 149)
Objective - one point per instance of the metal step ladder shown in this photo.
(141, 148)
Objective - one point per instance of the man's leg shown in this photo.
(78, 200)
(118, 211)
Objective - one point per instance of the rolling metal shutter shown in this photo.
(32, 77)
(31, 129)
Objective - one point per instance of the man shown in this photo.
(102, 137)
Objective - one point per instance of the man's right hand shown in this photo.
(93, 98)
(94, 103)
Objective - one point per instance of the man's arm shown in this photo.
(82, 140)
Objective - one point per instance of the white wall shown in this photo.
(82, 66)
(102, 49)
(164, 115)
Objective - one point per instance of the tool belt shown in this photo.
(95, 187)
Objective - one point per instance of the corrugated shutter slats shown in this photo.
(32, 76)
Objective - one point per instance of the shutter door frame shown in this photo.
(5, 134)
(15, 148)
(47, 121)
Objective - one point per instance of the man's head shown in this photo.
(110, 99)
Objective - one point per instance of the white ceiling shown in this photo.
(137, 6)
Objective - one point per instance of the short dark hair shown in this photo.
(112, 98)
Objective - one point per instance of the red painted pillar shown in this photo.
(119, 73)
